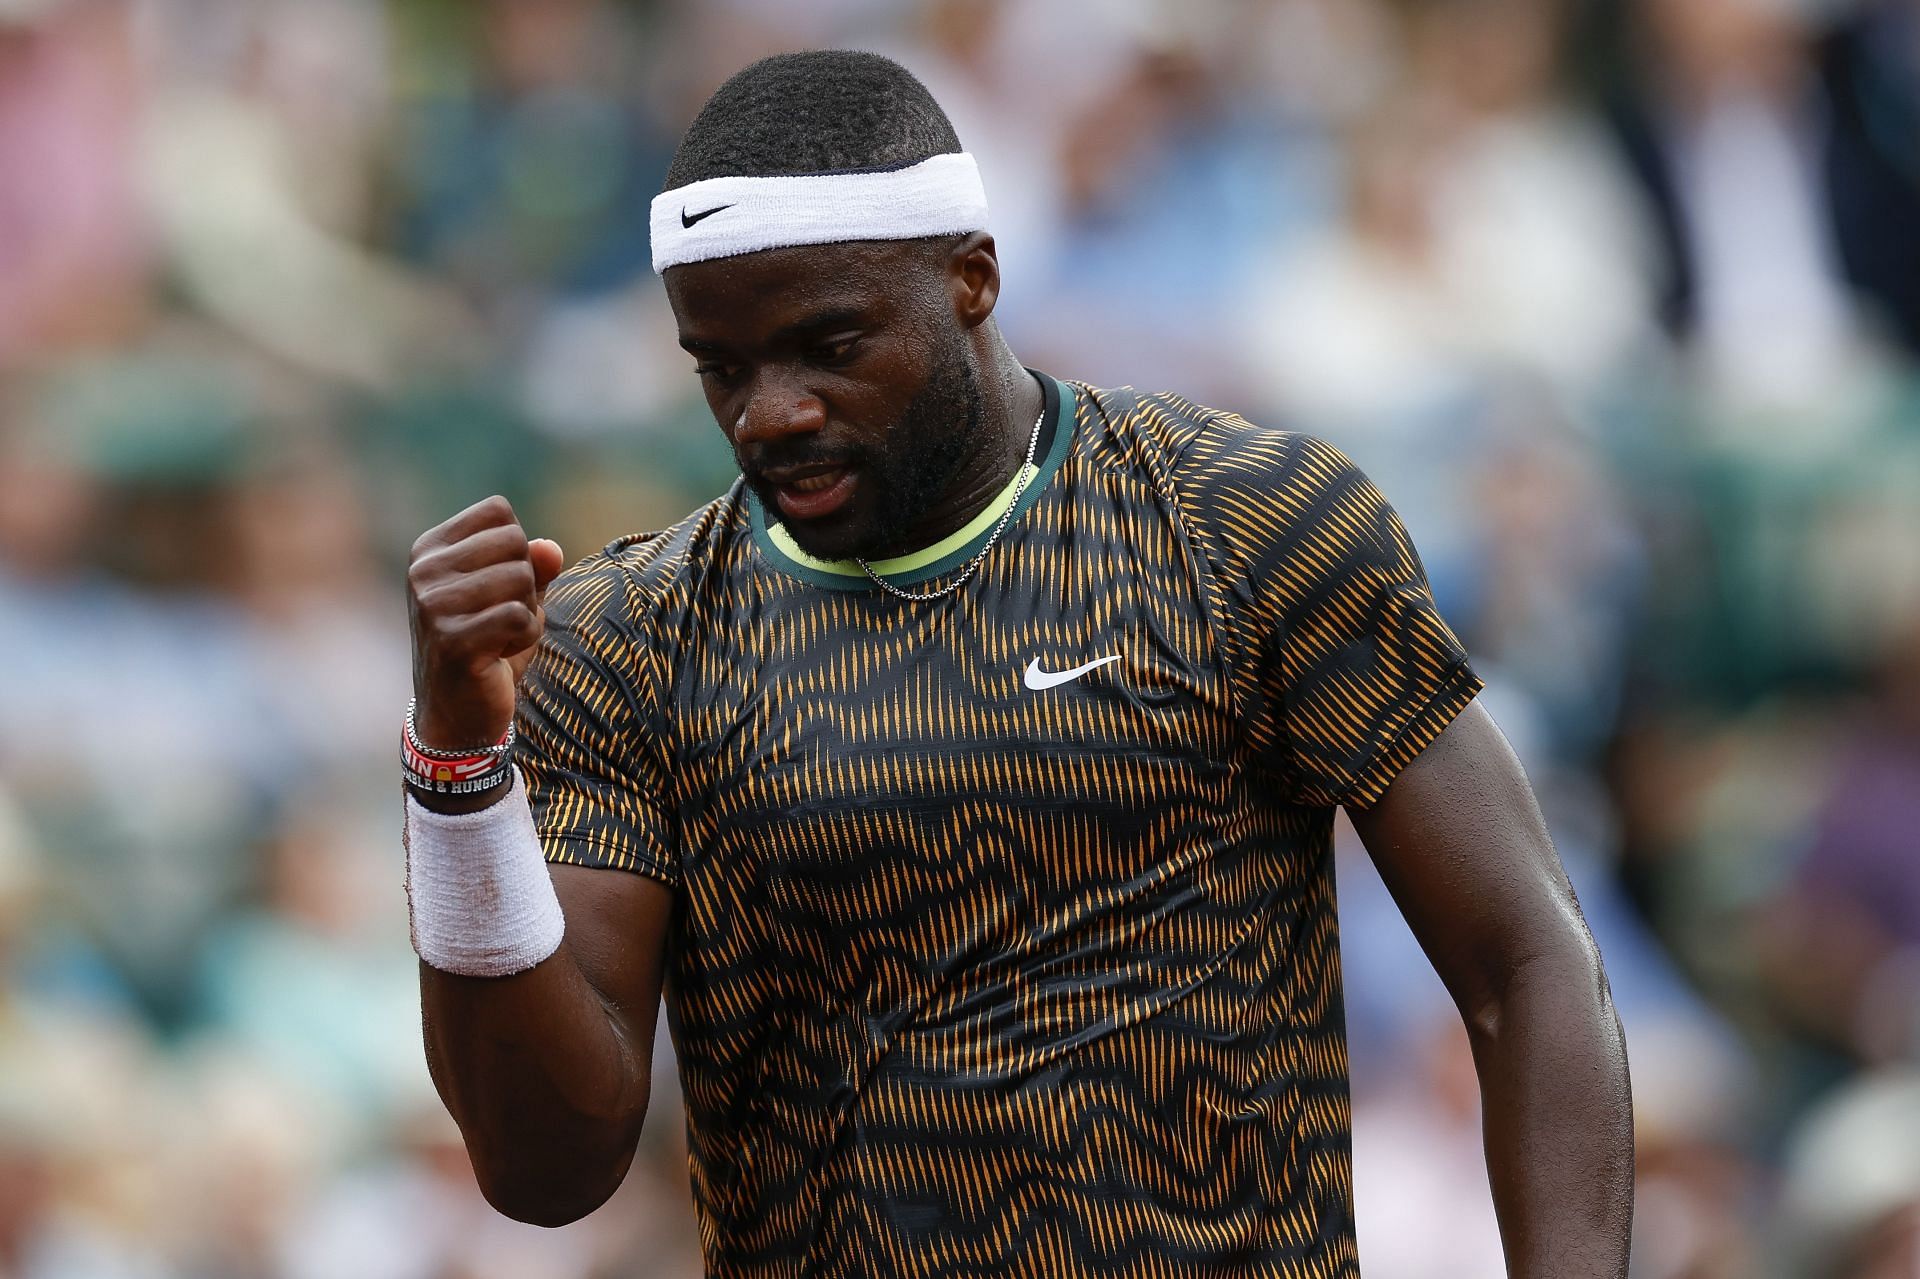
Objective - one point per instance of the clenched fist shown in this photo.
(474, 588)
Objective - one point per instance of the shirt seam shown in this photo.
(1193, 529)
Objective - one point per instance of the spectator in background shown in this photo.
(73, 246)
(301, 567)
(528, 171)
(311, 978)
(1140, 283)
(1852, 1195)
(257, 159)
(1870, 73)
(81, 1136)
(1842, 942)
(1765, 188)
(128, 652)
(1486, 230)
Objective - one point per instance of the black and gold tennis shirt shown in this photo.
(1004, 936)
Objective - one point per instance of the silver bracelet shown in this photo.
(470, 772)
(500, 748)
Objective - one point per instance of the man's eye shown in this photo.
(834, 352)
(718, 372)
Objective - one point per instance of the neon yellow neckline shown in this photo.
(777, 533)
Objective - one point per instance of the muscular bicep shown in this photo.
(1460, 843)
(616, 933)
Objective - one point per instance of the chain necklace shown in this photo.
(1026, 473)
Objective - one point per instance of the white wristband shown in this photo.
(478, 893)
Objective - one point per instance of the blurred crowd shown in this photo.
(1618, 300)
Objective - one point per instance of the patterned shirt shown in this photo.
(1003, 939)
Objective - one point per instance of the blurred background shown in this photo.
(1619, 303)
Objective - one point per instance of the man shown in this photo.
(965, 776)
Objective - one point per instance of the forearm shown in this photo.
(538, 1067)
(1558, 1119)
(545, 1085)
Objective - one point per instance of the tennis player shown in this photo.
(965, 778)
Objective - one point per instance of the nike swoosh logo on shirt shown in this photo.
(1038, 679)
(688, 220)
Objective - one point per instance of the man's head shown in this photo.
(845, 371)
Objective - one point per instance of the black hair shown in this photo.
(821, 111)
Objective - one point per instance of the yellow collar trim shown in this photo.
(777, 533)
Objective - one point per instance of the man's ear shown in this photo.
(973, 279)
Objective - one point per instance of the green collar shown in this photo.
(780, 550)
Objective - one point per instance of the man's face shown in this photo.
(843, 381)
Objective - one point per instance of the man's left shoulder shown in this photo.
(1215, 457)
(1165, 418)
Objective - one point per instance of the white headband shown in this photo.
(720, 217)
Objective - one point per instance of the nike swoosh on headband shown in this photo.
(1038, 679)
(686, 220)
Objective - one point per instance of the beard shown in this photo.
(907, 475)
(939, 430)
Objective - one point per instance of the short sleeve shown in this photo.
(588, 744)
(1342, 666)
(1360, 666)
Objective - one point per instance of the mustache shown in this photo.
(779, 457)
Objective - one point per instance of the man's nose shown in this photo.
(777, 410)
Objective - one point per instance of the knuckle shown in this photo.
(437, 603)
(457, 635)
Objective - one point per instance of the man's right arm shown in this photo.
(546, 1070)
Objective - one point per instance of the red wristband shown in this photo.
(454, 772)
(459, 768)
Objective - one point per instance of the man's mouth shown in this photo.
(811, 492)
